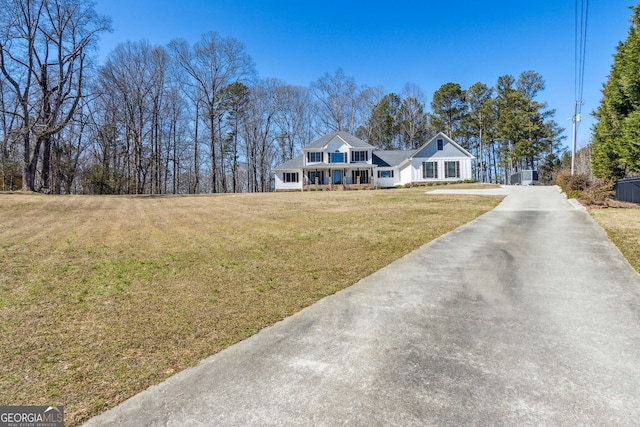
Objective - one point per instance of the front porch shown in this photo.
(334, 178)
(337, 187)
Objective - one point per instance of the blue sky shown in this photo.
(389, 44)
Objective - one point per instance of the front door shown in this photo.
(336, 177)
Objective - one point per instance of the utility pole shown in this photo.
(576, 118)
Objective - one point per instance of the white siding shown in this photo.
(406, 175)
(386, 182)
(280, 185)
(337, 145)
(465, 169)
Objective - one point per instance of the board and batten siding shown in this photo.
(416, 168)
(430, 151)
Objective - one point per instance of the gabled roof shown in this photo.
(391, 158)
(346, 137)
(424, 150)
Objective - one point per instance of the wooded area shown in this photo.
(196, 118)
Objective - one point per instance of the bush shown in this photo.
(594, 193)
(573, 183)
(598, 193)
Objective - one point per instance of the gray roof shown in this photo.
(345, 136)
(293, 164)
(391, 158)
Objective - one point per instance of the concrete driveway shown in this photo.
(526, 316)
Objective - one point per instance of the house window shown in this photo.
(452, 169)
(364, 177)
(290, 177)
(337, 157)
(440, 143)
(385, 174)
(314, 157)
(359, 156)
(430, 170)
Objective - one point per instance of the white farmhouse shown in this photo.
(341, 159)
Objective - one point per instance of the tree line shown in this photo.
(196, 118)
(504, 126)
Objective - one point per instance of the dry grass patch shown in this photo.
(623, 227)
(100, 297)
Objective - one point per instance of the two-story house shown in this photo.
(340, 158)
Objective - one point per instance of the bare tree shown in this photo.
(370, 98)
(159, 60)
(413, 121)
(134, 75)
(44, 47)
(293, 119)
(68, 147)
(213, 64)
(340, 102)
(176, 150)
(9, 138)
(260, 133)
(192, 111)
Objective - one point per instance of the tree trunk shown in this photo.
(196, 166)
(46, 163)
(32, 168)
(214, 177)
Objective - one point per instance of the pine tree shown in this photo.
(383, 122)
(616, 147)
(449, 108)
(531, 133)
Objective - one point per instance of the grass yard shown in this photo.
(623, 228)
(101, 297)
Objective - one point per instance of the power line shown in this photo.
(581, 18)
(576, 49)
